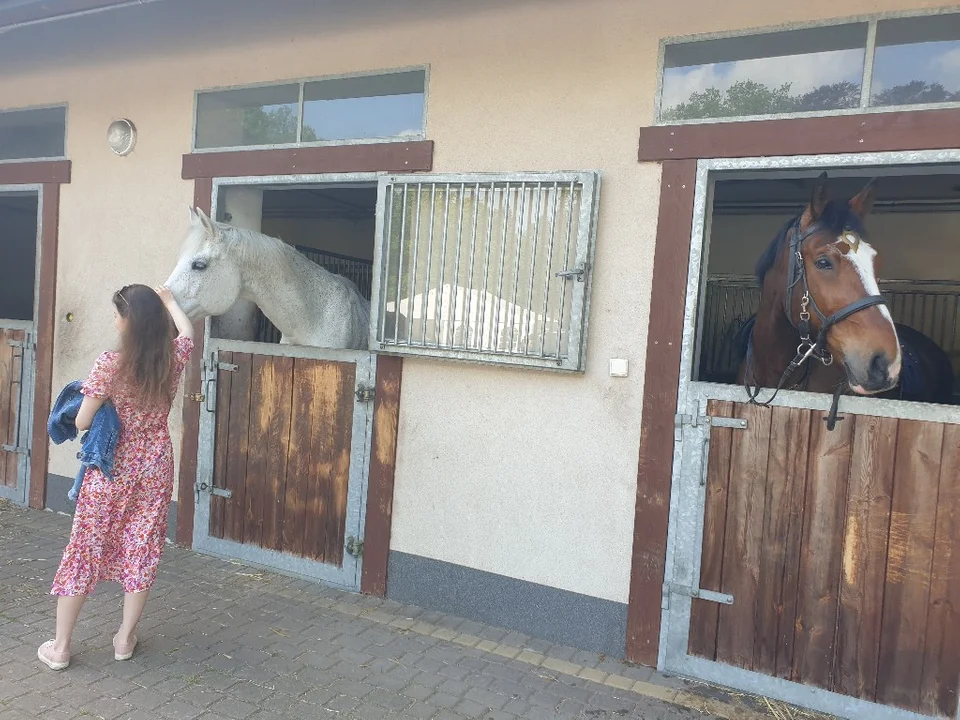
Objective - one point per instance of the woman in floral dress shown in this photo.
(120, 525)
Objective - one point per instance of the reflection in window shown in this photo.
(917, 61)
(786, 72)
(250, 116)
(373, 106)
(33, 134)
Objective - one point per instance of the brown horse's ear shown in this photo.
(818, 201)
(863, 201)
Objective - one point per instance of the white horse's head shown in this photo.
(206, 280)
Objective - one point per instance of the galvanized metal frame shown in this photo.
(866, 78)
(584, 257)
(302, 82)
(28, 370)
(687, 494)
(66, 133)
(348, 575)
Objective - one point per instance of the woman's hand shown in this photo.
(165, 295)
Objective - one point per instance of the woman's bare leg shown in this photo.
(68, 610)
(133, 604)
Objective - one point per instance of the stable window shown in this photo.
(34, 134)
(829, 69)
(489, 268)
(361, 108)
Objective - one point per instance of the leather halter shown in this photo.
(797, 274)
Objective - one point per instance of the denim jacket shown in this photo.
(99, 443)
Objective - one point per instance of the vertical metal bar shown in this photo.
(956, 311)
(533, 265)
(503, 254)
(473, 253)
(403, 236)
(516, 263)
(456, 267)
(482, 345)
(566, 259)
(413, 274)
(441, 309)
(388, 193)
(426, 287)
(300, 115)
(549, 278)
(866, 83)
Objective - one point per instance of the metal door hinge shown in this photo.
(694, 592)
(365, 394)
(19, 450)
(353, 546)
(679, 420)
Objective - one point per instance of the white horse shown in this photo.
(220, 264)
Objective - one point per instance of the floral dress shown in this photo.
(120, 525)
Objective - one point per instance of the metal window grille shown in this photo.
(486, 268)
(932, 307)
(356, 269)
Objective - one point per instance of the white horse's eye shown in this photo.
(198, 265)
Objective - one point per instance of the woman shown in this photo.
(120, 525)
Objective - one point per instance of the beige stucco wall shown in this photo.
(522, 473)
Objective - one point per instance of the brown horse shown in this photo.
(822, 324)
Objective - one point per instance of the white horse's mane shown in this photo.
(248, 247)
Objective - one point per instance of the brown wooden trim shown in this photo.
(367, 157)
(46, 321)
(189, 447)
(35, 173)
(662, 374)
(866, 132)
(383, 458)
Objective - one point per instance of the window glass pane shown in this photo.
(807, 70)
(249, 116)
(472, 268)
(30, 134)
(917, 61)
(374, 106)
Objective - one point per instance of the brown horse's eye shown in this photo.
(823, 263)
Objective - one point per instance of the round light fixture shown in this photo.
(122, 136)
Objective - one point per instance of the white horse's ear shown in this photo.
(207, 223)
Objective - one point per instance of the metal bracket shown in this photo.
(226, 367)
(196, 397)
(353, 546)
(699, 593)
(365, 394)
(15, 449)
(576, 272)
(221, 492)
(679, 420)
(22, 344)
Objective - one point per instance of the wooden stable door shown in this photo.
(12, 434)
(842, 553)
(285, 433)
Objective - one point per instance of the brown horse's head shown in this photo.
(835, 281)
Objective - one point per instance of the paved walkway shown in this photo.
(223, 641)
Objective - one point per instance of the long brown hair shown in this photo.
(146, 345)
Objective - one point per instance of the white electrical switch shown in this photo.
(618, 367)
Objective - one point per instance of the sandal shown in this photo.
(46, 654)
(124, 652)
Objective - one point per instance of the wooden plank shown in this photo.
(299, 478)
(340, 445)
(869, 132)
(941, 660)
(189, 445)
(221, 446)
(796, 466)
(396, 157)
(35, 173)
(383, 458)
(705, 616)
(274, 417)
(865, 556)
(235, 477)
(6, 393)
(261, 383)
(43, 367)
(655, 465)
(744, 537)
(786, 470)
(819, 584)
(913, 518)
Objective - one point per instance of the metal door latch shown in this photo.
(679, 420)
(220, 492)
(353, 546)
(695, 592)
(365, 394)
(576, 272)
